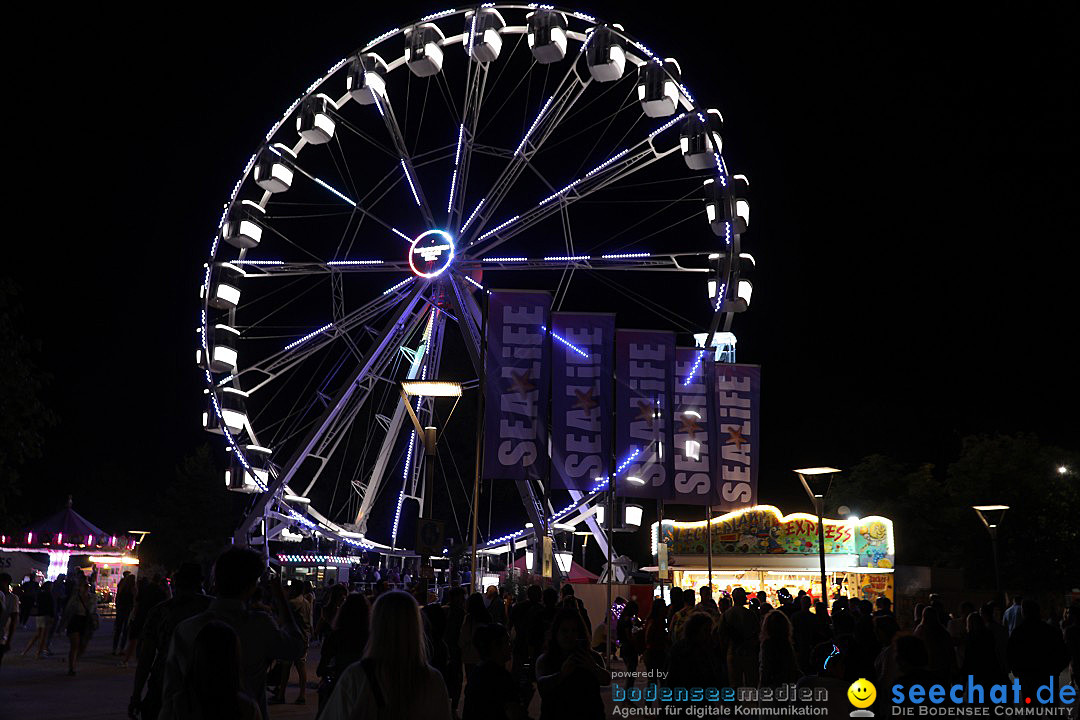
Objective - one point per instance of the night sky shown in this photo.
(913, 183)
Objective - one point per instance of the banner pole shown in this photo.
(708, 541)
(480, 442)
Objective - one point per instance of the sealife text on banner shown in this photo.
(582, 366)
(644, 365)
(516, 385)
(695, 430)
(738, 421)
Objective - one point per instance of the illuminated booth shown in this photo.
(759, 548)
(63, 541)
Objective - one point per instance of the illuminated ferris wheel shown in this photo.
(508, 146)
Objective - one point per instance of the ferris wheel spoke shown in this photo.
(476, 80)
(559, 103)
(466, 321)
(344, 198)
(616, 168)
(258, 375)
(405, 160)
(395, 329)
(285, 268)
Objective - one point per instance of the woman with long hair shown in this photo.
(626, 632)
(80, 618)
(657, 644)
(345, 644)
(569, 675)
(777, 663)
(394, 679)
(476, 614)
(212, 689)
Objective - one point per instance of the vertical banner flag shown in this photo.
(644, 364)
(695, 429)
(738, 407)
(516, 385)
(582, 369)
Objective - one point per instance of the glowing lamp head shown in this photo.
(430, 253)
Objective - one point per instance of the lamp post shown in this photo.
(991, 516)
(429, 436)
(816, 482)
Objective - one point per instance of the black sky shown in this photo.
(913, 185)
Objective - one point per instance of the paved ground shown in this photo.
(31, 688)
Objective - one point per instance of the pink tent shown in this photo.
(578, 574)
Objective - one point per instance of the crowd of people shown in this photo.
(228, 649)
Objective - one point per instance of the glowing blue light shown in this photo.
(436, 16)
(386, 35)
(566, 258)
(398, 286)
(470, 280)
(566, 342)
(307, 337)
(666, 125)
(720, 296)
(607, 162)
(504, 259)
(535, 122)
(453, 184)
(694, 368)
(258, 262)
(473, 215)
(355, 262)
(408, 177)
(497, 228)
(623, 256)
(401, 235)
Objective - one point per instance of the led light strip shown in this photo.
(566, 258)
(355, 262)
(473, 215)
(470, 280)
(307, 337)
(624, 256)
(694, 368)
(400, 285)
(535, 122)
(408, 177)
(566, 342)
(497, 228)
(504, 259)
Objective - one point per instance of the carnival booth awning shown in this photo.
(65, 534)
(760, 548)
(577, 574)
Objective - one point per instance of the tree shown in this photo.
(194, 514)
(24, 418)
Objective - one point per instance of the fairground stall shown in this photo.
(760, 548)
(64, 542)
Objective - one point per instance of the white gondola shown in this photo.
(724, 207)
(210, 420)
(746, 286)
(547, 35)
(700, 139)
(270, 172)
(605, 55)
(223, 348)
(233, 409)
(367, 79)
(658, 87)
(423, 49)
(243, 227)
(224, 287)
(483, 37)
(248, 479)
(314, 122)
(740, 185)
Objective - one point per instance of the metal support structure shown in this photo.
(391, 333)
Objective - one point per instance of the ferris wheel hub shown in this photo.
(430, 253)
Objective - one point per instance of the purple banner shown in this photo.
(695, 446)
(738, 420)
(516, 379)
(644, 361)
(582, 366)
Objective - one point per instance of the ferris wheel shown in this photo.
(498, 146)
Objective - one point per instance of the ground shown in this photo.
(41, 688)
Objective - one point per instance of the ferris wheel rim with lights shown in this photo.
(438, 259)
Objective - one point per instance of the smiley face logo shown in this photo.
(862, 693)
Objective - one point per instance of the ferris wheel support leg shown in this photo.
(391, 333)
(594, 527)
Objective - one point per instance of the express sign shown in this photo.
(431, 253)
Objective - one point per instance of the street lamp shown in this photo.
(429, 388)
(816, 482)
(991, 516)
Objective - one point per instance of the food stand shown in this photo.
(760, 548)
